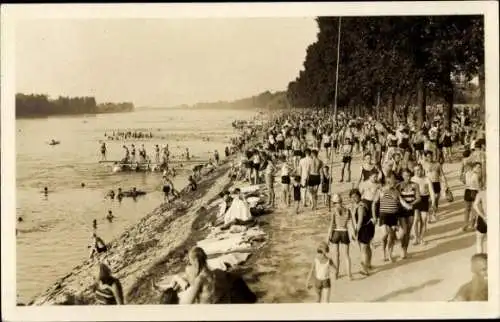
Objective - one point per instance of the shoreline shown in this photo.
(140, 247)
(162, 236)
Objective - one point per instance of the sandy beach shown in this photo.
(433, 272)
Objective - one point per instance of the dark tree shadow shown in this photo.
(407, 290)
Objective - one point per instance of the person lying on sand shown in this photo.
(477, 288)
(108, 289)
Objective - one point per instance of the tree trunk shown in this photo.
(421, 102)
(448, 101)
(391, 108)
(482, 105)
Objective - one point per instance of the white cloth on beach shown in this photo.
(236, 243)
(249, 189)
(231, 260)
(239, 210)
(252, 201)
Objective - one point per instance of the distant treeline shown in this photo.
(267, 99)
(36, 105)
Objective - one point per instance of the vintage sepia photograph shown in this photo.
(329, 155)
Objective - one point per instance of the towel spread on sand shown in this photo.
(231, 260)
(237, 243)
(253, 201)
(250, 189)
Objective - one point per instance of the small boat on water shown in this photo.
(54, 142)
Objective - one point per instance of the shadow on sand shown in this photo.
(407, 290)
(445, 247)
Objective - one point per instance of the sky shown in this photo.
(160, 62)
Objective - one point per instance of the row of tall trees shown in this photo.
(34, 105)
(391, 61)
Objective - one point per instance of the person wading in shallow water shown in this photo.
(108, 289)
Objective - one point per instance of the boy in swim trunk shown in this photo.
(321, 267)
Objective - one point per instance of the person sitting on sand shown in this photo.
(322, 267)
(97, 245)
(108, 289)
(201, 287)
(239, 211)
(477, 288)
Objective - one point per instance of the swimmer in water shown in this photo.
(46, 191)
(94, 224)
(83, 185)
(110, 216)
(111, 194)
(120, 194)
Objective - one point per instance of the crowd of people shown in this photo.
(401, 183)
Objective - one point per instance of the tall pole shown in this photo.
(337, 77)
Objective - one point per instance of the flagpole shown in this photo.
(337, 75)
(335, 100)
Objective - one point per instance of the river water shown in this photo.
(56, 230)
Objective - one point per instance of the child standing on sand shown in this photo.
(296, 187)
(322, 266)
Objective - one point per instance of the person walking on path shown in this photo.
(338, 235)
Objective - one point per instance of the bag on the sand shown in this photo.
(449, 195)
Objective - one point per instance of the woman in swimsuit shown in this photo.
(410, 193)
(427, 202)
(364, 228)
(367, 169)
(338, 234)
(108, 289)
(269, 178)
(390, 203)
(446, 140)
(321, 267)
(473, 184)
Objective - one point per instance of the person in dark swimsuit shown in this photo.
(367, 169)
(108, 289)
(296, 187)
(364, 228)
(410, 193)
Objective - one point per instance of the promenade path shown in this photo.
(432, 272)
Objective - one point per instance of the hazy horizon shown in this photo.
(160, 62)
